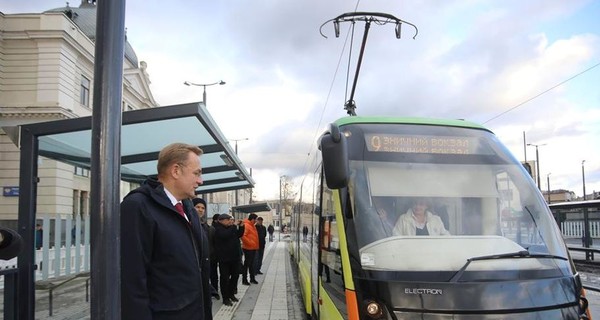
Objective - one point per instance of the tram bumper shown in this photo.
(539, 299)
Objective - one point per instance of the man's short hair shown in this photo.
(259, 218)
(216, 216)
(175, 153)
(252, 216)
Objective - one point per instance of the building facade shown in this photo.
(47, 73)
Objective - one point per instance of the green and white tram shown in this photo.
(429, 219)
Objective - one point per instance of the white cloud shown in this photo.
(471, 59)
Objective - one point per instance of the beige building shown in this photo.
(46, 73)
(560, 195)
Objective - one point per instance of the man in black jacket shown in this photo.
(164, 250)
(200, 206)
(229, 255)
(262, 234)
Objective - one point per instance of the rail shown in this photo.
(589, 252)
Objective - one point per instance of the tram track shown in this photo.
(589, 272)
(587, 266)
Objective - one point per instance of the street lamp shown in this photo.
(583, 177)
(537, 163)
(204, 85)
(236, 152)
(280, 207)
(236, 142)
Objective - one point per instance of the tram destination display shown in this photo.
(421, 144)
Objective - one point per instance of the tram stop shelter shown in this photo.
(238, 211)
(143, 134)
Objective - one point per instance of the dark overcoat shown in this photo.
(227, 242)
(164, 258)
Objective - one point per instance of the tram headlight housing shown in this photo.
(374, 309)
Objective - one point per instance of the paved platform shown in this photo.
(275, 297)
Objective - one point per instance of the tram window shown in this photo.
(330, 268)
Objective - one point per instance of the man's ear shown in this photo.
(174, 170)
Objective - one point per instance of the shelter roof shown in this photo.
(253, 207)
(143, 134)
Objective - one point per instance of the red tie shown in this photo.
(179, 208)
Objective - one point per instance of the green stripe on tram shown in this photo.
(410, 120)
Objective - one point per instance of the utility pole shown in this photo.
(537, 163)
(236, 152)
(583, 177)
(280, 209)
(548, 178)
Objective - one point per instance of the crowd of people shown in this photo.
(173, 261)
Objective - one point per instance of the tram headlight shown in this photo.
(374, 309)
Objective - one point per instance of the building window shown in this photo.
(79, 171)
(84, 98)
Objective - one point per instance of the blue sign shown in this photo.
(10, 191)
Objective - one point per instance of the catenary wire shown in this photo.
(542, 93)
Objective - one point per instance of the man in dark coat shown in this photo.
(200, 206)
(270, 229)
(229, 255)
(214, 263)
(164, 250)
(262, 234)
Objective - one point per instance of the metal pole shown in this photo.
(583, 177)
(236, 190)
(537, 164)
(204, 95)
(587, 237)
(28, 181)
(524, 147)
(250, 201)
(358, 65)
(106, 161)
(548, 178)
(280, 209)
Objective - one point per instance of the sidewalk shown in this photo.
(275, 297)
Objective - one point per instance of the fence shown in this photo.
(576, 228)
(72, 256)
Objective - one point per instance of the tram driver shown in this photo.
(419, 221)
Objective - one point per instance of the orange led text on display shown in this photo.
(420, 144)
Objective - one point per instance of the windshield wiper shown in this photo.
(511, 255)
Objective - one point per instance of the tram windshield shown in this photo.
(430, 201)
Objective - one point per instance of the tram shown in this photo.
(488, 247)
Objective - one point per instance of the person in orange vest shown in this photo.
(250, 246)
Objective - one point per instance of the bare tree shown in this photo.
(287, 195)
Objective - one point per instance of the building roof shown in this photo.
(84, 17)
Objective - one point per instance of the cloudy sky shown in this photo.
(475, 60)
